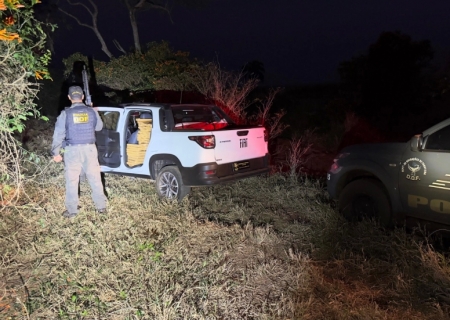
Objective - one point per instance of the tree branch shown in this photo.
(149, 4)
(93, 13)
(85, 6)
(119, 47)
(76, 19)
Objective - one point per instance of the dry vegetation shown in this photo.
(16, 101)
(263, 248)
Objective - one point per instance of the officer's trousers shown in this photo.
(82, 158)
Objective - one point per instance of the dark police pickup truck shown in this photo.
(394, 181)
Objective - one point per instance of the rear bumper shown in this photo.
(213, 173)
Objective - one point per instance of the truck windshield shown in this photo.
(198, 117)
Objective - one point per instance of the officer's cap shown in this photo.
(75, 92)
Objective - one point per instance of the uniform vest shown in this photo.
(80, 124)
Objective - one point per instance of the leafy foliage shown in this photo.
(158, 68)
(22, 58)
(24, 35)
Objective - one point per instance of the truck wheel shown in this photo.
(365, 198)
(169, 184)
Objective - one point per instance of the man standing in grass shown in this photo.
(76, 126)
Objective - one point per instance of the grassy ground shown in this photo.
(262, 248)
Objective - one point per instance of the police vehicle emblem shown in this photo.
(414, 166)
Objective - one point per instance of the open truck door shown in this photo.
(108, 139)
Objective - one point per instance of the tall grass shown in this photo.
(270, 247)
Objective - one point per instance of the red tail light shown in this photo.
(207, 142)
(335, 167)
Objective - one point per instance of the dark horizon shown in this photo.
(297, 43)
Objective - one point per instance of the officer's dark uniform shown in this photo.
(76, 127)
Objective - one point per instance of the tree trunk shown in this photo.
(102, 41)
(93, 12)
(137, 43)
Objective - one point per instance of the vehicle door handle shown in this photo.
(242, 133)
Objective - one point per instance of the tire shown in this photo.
(169, 184)
(365, 198)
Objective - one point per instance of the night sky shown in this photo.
(299, 42)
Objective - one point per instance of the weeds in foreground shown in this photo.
(262, 248)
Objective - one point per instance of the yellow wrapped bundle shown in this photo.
(145, 129)
(136, 152)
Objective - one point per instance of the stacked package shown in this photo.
(136, 152)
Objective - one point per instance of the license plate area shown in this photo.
(238, 166)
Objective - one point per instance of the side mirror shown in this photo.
(416, 143)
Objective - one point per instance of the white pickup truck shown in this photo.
(179, 146)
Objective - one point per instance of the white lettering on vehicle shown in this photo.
(441, 184)
(436, 205)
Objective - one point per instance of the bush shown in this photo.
(158, 68)
(23, 59)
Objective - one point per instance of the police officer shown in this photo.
(76, 127)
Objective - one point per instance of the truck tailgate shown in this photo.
(239, 144)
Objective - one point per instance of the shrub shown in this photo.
(158, 68)
(23, 59)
